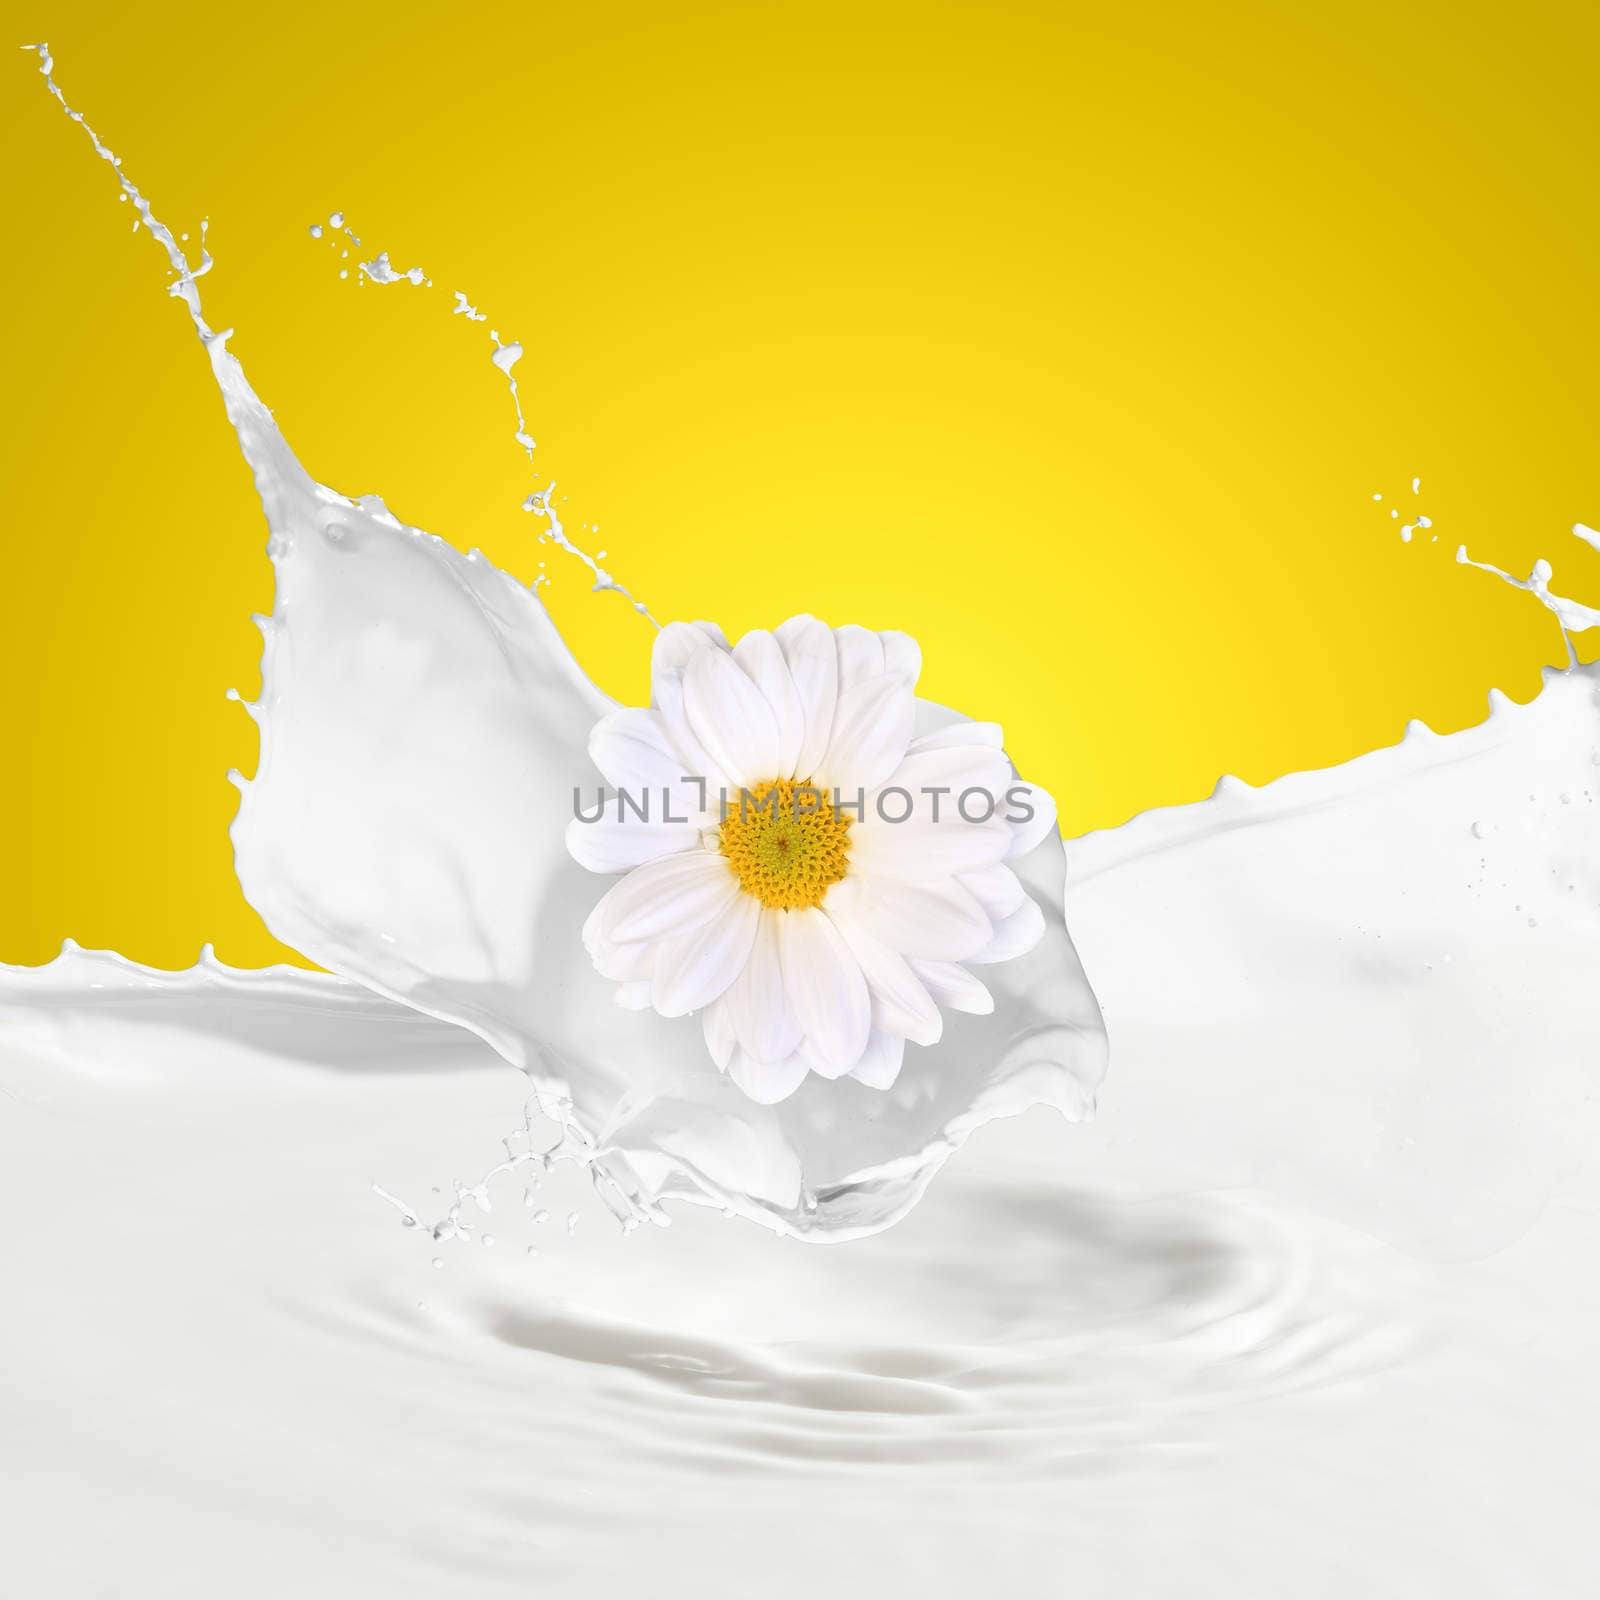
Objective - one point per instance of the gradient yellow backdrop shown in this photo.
(1075, 340)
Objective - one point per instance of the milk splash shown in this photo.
(505, 356)
(423, 727)
(1573, 616)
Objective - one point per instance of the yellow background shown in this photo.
(1074, 340)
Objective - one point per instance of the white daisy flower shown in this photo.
(796, 866)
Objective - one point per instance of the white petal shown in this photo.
(998, 889)
(809, 649)
(925, 852)
(757, 1007)
(695, 761)
(960, 733)
(942, 922)
(679, 642)
(634, 996)
(880, 1065)
(902, 654)
(860, 655)
(954, 987)
(1015, 936)
(731, 718)
(1026, 835)
(633, 751)
(612, 846)
(622, 963)
(767, 1082)
(717, 1026)
(822, 1067)
(673, 895)
(762, 659)
(694, 969)
(871, 729)
(825, 986)
(954, 769)
(900, 1003)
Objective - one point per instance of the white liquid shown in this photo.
(1162, 1354)
(1311, 1309)
(424, 729)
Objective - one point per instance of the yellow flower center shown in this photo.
(786, 843)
